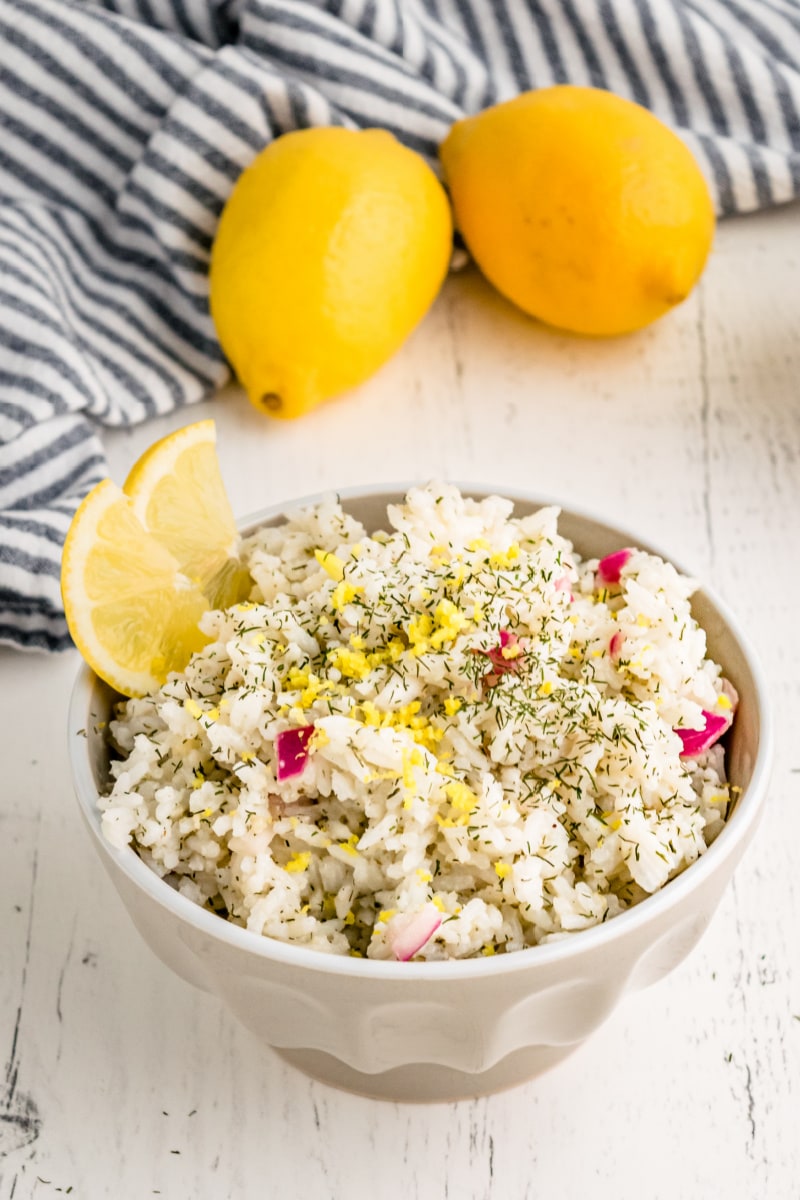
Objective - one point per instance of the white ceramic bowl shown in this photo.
(442, 1030)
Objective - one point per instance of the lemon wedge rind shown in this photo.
(130, 610)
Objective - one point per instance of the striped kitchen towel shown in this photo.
(123, 125)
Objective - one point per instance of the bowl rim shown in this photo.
(735, 831)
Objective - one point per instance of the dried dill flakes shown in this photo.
(480, 757)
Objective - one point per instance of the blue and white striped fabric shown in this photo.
(124, 124)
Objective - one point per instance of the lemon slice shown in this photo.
(177, 493)
(131, 611)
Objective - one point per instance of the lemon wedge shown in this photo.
(132, 612)
(178, 495)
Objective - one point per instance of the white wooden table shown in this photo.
(118, 1080)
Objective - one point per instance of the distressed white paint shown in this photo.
(118, 1080)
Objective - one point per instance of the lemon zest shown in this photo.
(330, 563)
(298, 862)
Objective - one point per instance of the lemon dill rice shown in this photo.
(450, 738)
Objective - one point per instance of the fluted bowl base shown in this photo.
(428, 1083)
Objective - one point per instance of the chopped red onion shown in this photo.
(407, 933)
(697, 741)
(609, 568)
(500, 664)
(615, 645)
(563, 584)
(291, 748)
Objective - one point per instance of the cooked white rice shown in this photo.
(515, 794)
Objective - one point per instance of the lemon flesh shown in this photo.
(130, 610)
(581, 207)
(177, 493)
(331, 248)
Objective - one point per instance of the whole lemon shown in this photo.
(581, 207)
(331, 248)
